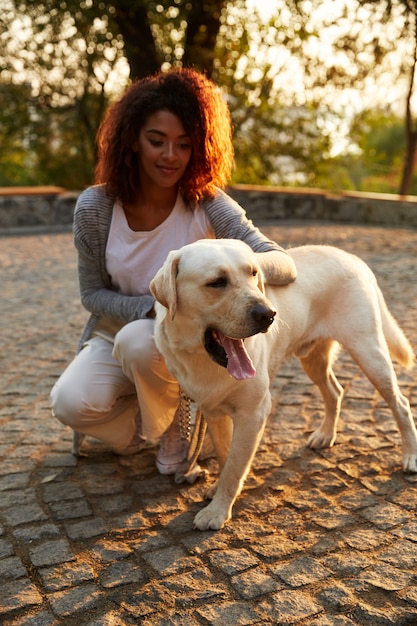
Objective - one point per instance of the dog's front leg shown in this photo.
(247, 434)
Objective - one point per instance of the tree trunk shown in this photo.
(411, 132)
(133, 24)
(202, 29)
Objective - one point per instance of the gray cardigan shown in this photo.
(92, 218)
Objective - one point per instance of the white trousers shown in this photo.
(108, 387)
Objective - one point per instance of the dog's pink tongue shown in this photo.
(239, 363)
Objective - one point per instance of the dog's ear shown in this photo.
(163, 286)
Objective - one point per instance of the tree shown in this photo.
(282, 89)
(71, 54)
(379, 138)
(70, 50)
(399, 38)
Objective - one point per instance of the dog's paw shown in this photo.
(410, 463)
(211, 518)
(321, 439)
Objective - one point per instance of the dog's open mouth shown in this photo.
(230, 353)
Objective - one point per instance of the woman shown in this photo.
(164, 155)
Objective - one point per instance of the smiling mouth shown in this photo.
(168, 170)
(229, 353)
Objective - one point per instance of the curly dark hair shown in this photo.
(200, 106)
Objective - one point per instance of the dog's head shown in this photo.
(214, 290)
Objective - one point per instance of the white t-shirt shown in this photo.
(134, 257)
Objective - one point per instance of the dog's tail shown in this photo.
(398, 344)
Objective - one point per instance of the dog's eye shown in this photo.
(254, 272)
(218, 283)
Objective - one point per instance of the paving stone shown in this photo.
(236, 613)
(336, 597)
(409, 595)
(310, 500)
(57, 492)
(111, 618)
(6, 548)
(114, 504)
(107, 550)
(402, 554)
(330, 482)
(332, 519)
(336, 620)
(70, 510)
(194, 586)
(275, 546)
(18, 594)
(128, 521)
(407, 531)
(387, 577)
(365, 614)
(254, 583)
(232, 561)
(147, 600)
(149, 541)
(301, 571)
(63, 575)
(41, 618)
(348, 563)
(14, 481)
(171, 560)
(323, 538)
(366, 538)
(103, 485)
(288, 606)
(122, 573)
(76, 600)
(86, 529)
(36, 533)
(385, 515)
(60, 460)
(13, 497)
(50, 553)
(12, 568)
(23, 514)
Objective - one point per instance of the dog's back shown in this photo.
(337, 280)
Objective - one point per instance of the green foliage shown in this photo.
(379, 136)
(63, 61)
(15, 135)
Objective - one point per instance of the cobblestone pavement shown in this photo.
(319, 538)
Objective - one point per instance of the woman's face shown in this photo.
(164, 150)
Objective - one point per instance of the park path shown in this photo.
(320, 538)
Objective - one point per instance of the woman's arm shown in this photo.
(229, 221)
(91, 225)
(98, 298)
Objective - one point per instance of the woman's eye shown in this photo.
(155, 142)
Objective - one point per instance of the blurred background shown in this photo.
(321, 92)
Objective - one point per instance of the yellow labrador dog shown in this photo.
(224, 335)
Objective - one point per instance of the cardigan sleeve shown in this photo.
(92, 217)
(229, 221)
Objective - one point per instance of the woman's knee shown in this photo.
(89, 387)
(134, 345)
(72, 407)
(66, 405)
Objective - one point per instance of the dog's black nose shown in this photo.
(263, 316)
